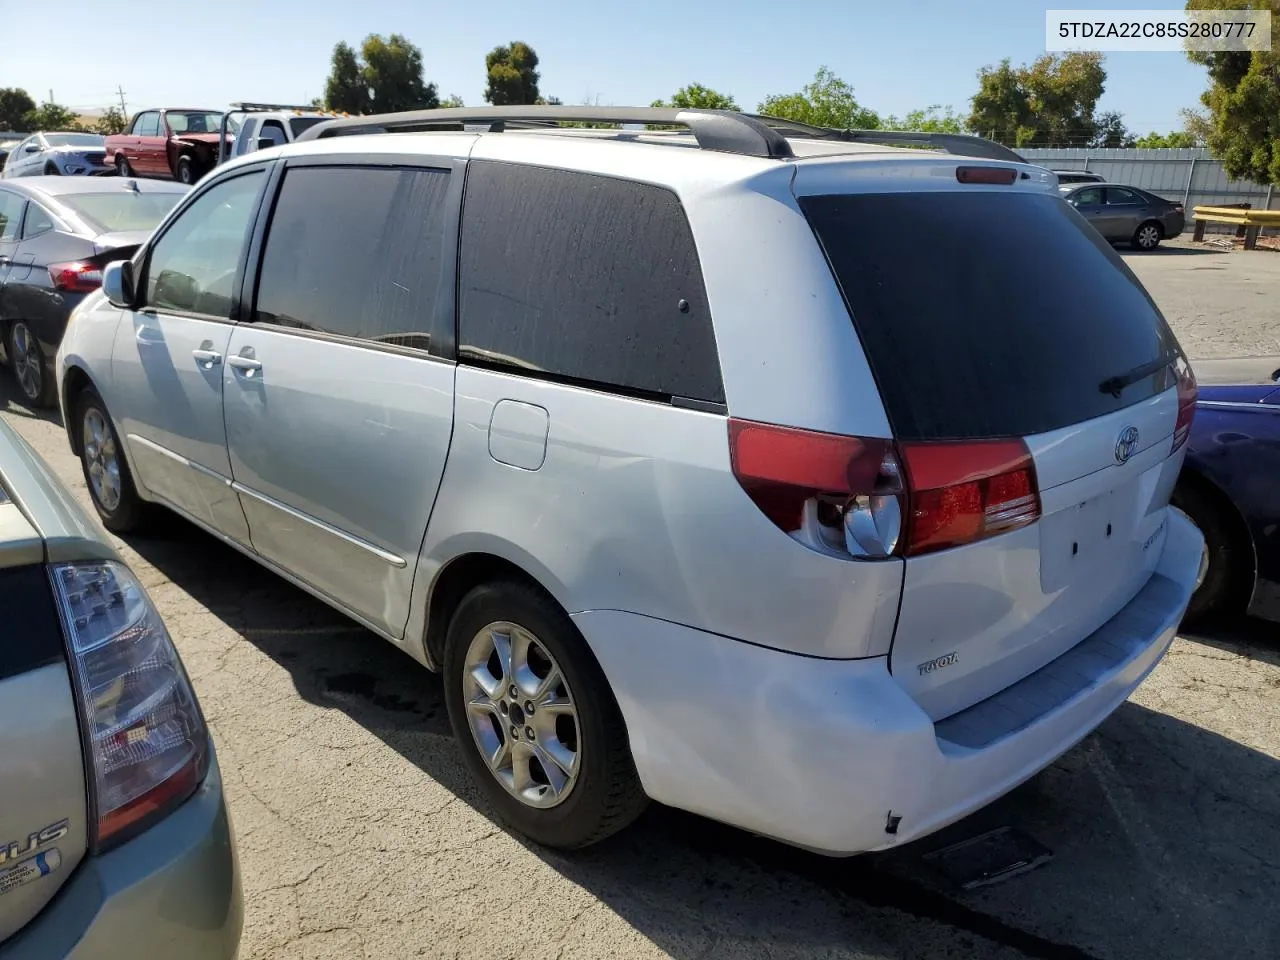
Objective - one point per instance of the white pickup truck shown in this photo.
(270, 125)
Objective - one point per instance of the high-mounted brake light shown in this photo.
(873, 498)
(986, 174)
(1188, 393)
(77, 276)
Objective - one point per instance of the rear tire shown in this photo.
(601, 793)
(106, 471)
(1228, 580)
(29, 367)
(1147, 236)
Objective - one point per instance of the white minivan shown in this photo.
(815, 485)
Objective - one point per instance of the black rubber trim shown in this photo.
(31, 635)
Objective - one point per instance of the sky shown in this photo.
(897, 56)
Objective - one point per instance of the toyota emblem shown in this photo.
(1126, 444)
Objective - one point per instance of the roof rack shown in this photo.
(959, 144)
(723, 130)
(728, 131)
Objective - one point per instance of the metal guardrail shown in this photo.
(1248, 221)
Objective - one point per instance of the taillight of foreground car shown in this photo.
(1188, 393)
(78, 276)
(147, 745)
(872, 498)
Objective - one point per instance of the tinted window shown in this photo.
(978, 333)
(1117, 196)
(10, 215)
(192, 267)
(123, 209)
(357, 251)
(586, 278)
(38, 222)
(298, 124)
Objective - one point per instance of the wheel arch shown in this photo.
(73, 382)
(1222, 504)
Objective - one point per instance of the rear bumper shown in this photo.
(172, 892)
(823, 753)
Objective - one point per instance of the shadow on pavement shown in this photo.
(13, 402)
(1165, 835)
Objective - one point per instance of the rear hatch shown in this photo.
(1033, 388)
(42, 785)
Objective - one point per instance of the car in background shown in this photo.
(266, 125)
(1127, 214)
(56, 234)
(169, 143)
(59, 154)
(1229, 488)
(8, 140)
(113, 822)
(1078, 176)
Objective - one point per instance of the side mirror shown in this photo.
(265, 143)
(117, 284)
(31, 148)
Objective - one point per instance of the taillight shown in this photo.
(965, 491)
(75, 277)
(1188, 391)
(872, 498)
(147, 742)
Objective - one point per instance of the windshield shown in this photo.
(126, 210)
(194, 121)
(74, 139)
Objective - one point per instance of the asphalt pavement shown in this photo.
(360, 836)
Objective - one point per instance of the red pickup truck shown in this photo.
(170, 143)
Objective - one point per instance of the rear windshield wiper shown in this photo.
(1113, 385)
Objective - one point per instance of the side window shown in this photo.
(274, 130)
(10, 216)
(358, 252)
(1117, 196)
(192, 267)
(38, 222)
(586, 278)
(150, 125)
(1088, 198)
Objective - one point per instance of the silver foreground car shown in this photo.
(700, 477)
(114, 837)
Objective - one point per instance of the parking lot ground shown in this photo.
(360, 836)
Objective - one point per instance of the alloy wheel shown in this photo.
(1148, 236)
(102, 462)
(27, 363)
(522, 714)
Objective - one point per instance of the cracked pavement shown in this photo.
(361, 837)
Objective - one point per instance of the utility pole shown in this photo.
(123, 109)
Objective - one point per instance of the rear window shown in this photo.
(298, 124)
(989, 315)
(126, 210)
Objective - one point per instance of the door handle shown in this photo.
(4, 261)
(248, 366)
(207, 358)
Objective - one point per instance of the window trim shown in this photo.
(143, 257)
(54, 220)
(446, 319)
(22, 214)
(584, 383)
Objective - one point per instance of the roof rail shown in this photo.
(724, 130)
(244, 106)
(960, 144)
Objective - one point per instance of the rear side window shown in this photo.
(989, 315)
(584, 278)
(358, 252)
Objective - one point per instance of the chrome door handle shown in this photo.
(246, 365)
(207, 358)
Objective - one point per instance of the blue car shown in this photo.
(1230, 487)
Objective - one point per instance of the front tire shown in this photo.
(122, 166)
(538, 725)
(1147, 236)
(186, 172)
(1228, 578)
(29, 367)
(51, 170)
(106, 472)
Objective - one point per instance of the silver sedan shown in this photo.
(59, 154)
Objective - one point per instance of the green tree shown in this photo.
(512, 72)
(385, 77)
(15, 104)
(827, 101)
(111, 121)
(1109, 131)
(932, 119)
(1243, 100)
(453, 100)
(1050, 102)
(51, 116)
(697, 97)
(1155, 141)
